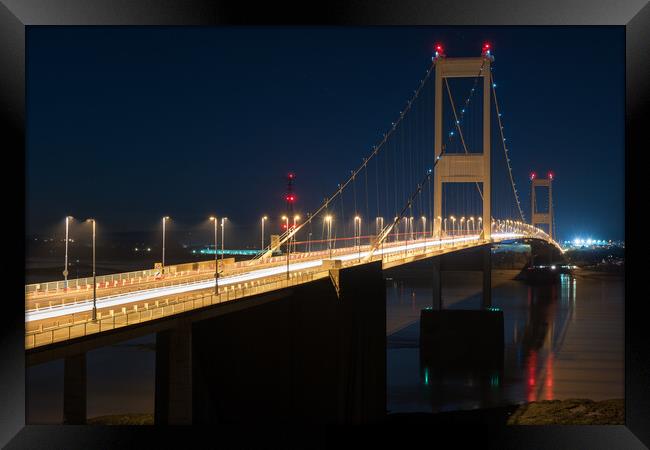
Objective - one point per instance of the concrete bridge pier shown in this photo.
(462, 338)
(487, 276)
(315, 355)
(173, 402)
(74, 389)
(476, 259)
(437, 284)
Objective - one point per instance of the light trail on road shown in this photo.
(148, 294)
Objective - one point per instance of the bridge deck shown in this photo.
(126, 306)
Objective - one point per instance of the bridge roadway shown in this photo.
(72, 318)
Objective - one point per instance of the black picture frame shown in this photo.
(16, 15)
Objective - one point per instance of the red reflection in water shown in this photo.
(531, 366)
(549, 377)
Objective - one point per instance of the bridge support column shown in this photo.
(462, 338)
(74, 389)
(315, 355)
(173, 402)
(487, 277)
(437, 284)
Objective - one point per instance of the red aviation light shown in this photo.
(550, 175)
(486, 49)
(438, 50)
(290, 198)
(532, 175)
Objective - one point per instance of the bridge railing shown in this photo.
(122, 278)
(80, 325)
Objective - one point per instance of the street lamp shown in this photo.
(286, 219)
(460, 228)
(396, 228)
(357, 233)
(94, 274)
(471, 219)
(296, 218)
(424, 226)
(328, 220)
(357, 230)
(65, 269)
(453, 226)
(216, 262)
(223, 238)
(411, 227)
(445, 227)
(379, 224)
(164, 220)
(264, 219)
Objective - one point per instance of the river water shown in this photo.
(561, 341)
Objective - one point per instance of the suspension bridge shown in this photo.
(439, 181)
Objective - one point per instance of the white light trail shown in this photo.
(148, 294)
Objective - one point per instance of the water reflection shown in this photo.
(536, 321)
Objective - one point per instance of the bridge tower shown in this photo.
(468, 167)
(538, 218)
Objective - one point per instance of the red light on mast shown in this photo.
(486, 49)
(532, 175)
(550, 175)
(439, 50)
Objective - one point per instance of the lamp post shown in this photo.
(379, 224)
(216, 262)
(424, 227)
(164, 220)
(471, 219)
(65, 268)
(296, 218)
(328, 220)
(94, 274)
(460, 227)
(357, 233)
(223, 238)
(264, 219)
(453, 226)
(286, 219)
(445, 227)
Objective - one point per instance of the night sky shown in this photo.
(130, 124)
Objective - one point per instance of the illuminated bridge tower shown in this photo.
(467, 167)
(539, 218)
